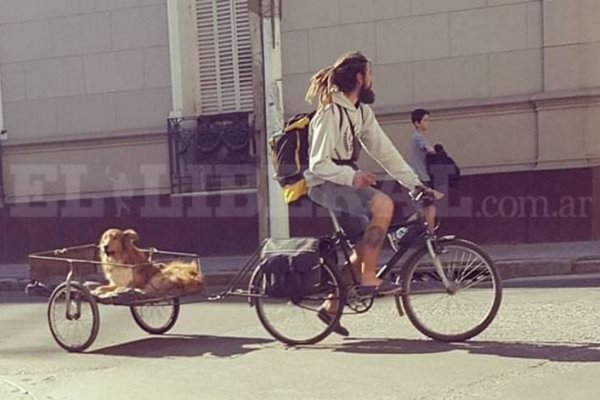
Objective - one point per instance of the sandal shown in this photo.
(326, 317)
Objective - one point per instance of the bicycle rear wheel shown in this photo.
(297, 323)
(467, 307)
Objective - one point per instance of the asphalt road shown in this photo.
(544, 344)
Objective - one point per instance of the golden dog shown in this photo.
(124, 265)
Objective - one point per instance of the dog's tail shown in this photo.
(181, 276)
(183, 269)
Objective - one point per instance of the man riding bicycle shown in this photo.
(342, 124)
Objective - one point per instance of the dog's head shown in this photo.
(115, 243)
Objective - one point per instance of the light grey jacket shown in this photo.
(327, 141)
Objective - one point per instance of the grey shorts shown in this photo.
(351, 205)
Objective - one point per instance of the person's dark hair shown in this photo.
(418, 114)
(341, 74)
(438, 148)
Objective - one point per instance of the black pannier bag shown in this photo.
(292, 267)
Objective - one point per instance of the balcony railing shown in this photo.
(212, 153)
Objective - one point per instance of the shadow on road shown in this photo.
(559, 352)
(185, 346)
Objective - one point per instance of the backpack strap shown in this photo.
(341, 116)
(355, 142)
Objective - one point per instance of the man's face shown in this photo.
(367, 95)
(424, 124)
(368, 83)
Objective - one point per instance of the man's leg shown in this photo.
(382, 209)
(429, 213)
(356, 265)
(356, 261)
(429, 210)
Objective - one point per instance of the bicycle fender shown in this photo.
(446, 238)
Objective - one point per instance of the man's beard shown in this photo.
(366, 95)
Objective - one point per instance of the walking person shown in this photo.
(420, 148)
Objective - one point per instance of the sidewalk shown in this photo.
(518, 260)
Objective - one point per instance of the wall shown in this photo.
(87, 90)
(506, 80)
(208, 225)
(84, 81)
(509, 207)
(423, 51)
(513, 87)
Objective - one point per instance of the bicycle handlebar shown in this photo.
(425, 194)
(419, 195)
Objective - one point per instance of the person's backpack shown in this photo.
(290, 149)
(441, 167)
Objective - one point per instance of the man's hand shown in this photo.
(363, 179)
(434, 193)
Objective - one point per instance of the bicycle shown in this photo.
(440, 271)
(439, 268)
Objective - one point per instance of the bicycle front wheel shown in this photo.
(467, 306)
(297, 323)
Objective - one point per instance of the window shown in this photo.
(224, 56)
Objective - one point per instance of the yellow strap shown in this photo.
(301, 123)
(294, 191)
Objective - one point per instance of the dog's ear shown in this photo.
(108, 234)
(130, 235)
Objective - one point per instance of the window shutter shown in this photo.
(224, 56)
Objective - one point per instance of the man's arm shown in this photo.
(323, 138)
(381, 148)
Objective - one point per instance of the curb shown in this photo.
(13, 285)
(522, 268)
(586, 266)
(529, 268)
(509, 269)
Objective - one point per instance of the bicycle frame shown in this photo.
(341, 242)
(420, 237)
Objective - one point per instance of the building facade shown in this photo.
(514, 91)
(87, 87)
(86, 94)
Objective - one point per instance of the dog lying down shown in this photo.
(126, 267)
